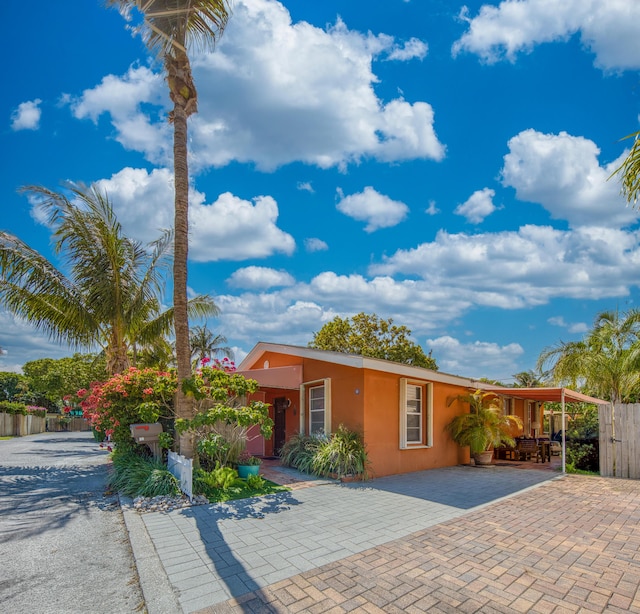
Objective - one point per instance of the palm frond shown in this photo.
(629, 171)
(171, 25)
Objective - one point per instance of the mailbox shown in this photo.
(149, 435)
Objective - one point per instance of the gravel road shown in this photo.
(64, 548)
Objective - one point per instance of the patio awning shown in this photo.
(555, 395)
(287, 378)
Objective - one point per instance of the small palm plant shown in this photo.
(485, 426)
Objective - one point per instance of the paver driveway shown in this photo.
(211, 553)
(571, 545)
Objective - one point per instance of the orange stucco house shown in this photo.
(400, 410)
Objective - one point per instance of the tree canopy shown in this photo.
(55, 379)
(605, 363)
(368, 335)
(112, 294)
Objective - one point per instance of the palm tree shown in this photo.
(112, 294)
(159, 354)
(485, 425)
(204, 344)
(169, 27)
(606, 362)
(629, 171)
(528, 379)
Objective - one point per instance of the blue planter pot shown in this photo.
(244, 471)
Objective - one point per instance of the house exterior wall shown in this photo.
(368, 402)
(382, 427)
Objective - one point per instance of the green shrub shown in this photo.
(136, 476)
(217, 484)
(341, 454)
(213, 450)
(344, 454)
(255, 482)
(300, 451)
(578, 456)
(160, 482)
(12, 407)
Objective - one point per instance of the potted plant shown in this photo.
(484, 427)
(248, 464)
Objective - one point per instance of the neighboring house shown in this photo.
(400, 410)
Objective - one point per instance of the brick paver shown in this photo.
(213, 553)
(570, 545)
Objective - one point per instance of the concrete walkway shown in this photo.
(283, 549)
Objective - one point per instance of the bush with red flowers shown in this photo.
(135, 396)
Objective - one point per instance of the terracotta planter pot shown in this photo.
(483, 458)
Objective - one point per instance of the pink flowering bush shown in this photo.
(135, 396)
(227, 365)
(37, 410)
(146, 395)
(225, 412)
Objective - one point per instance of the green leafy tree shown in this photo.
(629, 171)
(205, 344)
(369, 335)
(605, 363)
(55, 379)
(169, 28)
(12, 386)
(111, 297)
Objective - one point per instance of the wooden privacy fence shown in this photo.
(55, 424)
(620, 440)
(19, 425)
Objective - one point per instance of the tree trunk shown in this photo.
(116, 354)
(184, 405)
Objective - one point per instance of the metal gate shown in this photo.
(620, 440)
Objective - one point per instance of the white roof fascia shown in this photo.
(358, 362)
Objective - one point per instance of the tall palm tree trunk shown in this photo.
(179, 77)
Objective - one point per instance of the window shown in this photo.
(315, 407)
(415, 414)
(316, 410)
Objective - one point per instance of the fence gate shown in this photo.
(620, 440)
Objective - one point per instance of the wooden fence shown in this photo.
(620, 440)
(55, 424)
(19, 425)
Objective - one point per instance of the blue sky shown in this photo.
(441, 164)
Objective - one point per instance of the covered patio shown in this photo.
(549, 395)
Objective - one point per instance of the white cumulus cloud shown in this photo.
(313, 244)
(275, 92)
(128, 100)
(27, 115)
(377, 210)
(607, 28)
(528, 267)
(257, 277)
(230, 228)
(562, 173)
(475, 359)
(478, 206)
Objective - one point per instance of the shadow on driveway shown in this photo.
(463, 487)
